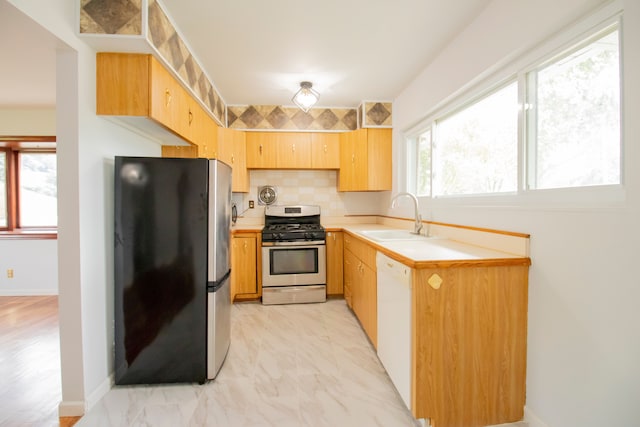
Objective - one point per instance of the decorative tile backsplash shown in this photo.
(291, 118)
(275, 117)
(125, 18)
(122, 17)
(307, 187)
(164, 37)
(375, 114)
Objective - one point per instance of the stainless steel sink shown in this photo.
(391, 235)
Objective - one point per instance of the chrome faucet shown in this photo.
(417, 227)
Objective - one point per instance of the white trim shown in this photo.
(74, 408)
(532, 419)
(100, 391)
(516, 67)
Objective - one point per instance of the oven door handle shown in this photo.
(298, 244)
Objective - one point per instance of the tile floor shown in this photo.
(288, 365)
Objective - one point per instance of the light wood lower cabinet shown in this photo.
(360, 284)
(469, 345)
(245, 265)
(335, 263)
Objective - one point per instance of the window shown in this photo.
(568, 131)
(28, 190)
(423, 186)
(476, 149)
(574, 117)
(3, 189)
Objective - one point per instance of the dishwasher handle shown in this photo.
(396, 270)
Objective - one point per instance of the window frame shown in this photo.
(605, 21)
(13, 146)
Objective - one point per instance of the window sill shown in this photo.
(29, 235)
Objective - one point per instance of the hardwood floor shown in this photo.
(30, 362)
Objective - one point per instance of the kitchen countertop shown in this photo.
(436, 252)
(432, 252)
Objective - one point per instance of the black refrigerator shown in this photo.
(172, 269)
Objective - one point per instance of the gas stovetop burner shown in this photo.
(292, 224)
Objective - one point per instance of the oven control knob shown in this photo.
(308, 236)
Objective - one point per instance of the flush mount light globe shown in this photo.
(306, 97)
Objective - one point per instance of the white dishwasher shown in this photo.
(394, 322)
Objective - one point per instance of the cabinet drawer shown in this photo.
(361, 249)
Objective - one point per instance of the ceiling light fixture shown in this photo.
(306, 97)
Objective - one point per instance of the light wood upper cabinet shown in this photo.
(169, 102)
(335, 258)
(232, 149)
(182, 151)
(325, 150)
(261, 150)
(365, 160)
(122, 85)
(138, 85)
(279, 150)
(293, 150)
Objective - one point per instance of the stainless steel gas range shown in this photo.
(294, 259)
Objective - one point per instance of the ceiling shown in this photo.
(257, 52)
(28, 67)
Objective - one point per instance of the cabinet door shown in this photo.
(353, 161)
(350, 272)
(261, 150)
(183, 151)
(122, 84)
(379, 160)
(294, 150)
(205, 134)
(325, 150)
(243, 266)
(168, 103)
(232, 148)
(335, 256)
(369, 297)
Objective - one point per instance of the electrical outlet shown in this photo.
(10, 273)
(251, 204)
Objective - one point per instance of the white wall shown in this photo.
(34, 262)
(584, 325)
(28, 121)
(308, 187)
(86, 147)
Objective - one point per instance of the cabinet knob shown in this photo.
(190, 116)
(325, 148)
(353, 158)
(232, 159)
(435, 281)
(293, 148)
(167, 97)
(260, 148)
